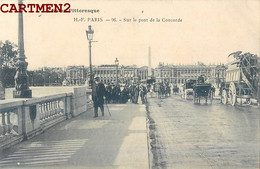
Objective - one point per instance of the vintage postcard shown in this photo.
(129, 84)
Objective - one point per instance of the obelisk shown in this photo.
(21, 78)
(149, 64)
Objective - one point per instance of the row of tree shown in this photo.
(46, 77)
(8, 57)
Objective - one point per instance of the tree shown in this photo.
(8, 55)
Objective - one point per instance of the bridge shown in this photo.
(59, 130)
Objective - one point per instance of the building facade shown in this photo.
(142, 73)
(76, 75)
(179, 74)
(107, 73)
(116, 73)
(218, 75)
(175, 74)
(129, 74)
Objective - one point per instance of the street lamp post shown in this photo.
(116, 63)
(89, 34)
(21, 77)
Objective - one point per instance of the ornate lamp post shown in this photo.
(21, 78)
(89, 34)
(116, 63)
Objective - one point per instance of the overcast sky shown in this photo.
(210, 30)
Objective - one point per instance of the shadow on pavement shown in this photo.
(86, 142)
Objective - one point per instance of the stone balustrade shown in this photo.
(8, 122)
(24, 118)
(10, 113)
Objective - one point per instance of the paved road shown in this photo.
(119, 141)
(189, 136)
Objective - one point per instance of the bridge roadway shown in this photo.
(117, 141)
(203, 136)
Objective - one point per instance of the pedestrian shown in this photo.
(132, 93)
(108, 93)
(124, 95)
(117, 93)
(213, 91)
(136, 94)
(98, 93)
(143, 93)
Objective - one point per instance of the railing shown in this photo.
(9, 119)
(23, 118)
(51, 108)
(26, 118)
(8, 122)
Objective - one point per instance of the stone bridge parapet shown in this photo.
(21, 119)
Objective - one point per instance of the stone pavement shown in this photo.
(185, 135)
(117, 141)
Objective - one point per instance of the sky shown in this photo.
(210, 30)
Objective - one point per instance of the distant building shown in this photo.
(144, 73)
(76, 75)
(129, 74)
(164, 73)
(178, 74)
(110, 73)
(107, 73)
(218, 75)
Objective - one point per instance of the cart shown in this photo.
(202, 90)
(241, 83)
(187, 91)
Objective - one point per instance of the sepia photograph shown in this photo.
(148, 84)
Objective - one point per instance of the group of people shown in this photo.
(122, 93)
(116, 93)
(165, 89)
(111, 93)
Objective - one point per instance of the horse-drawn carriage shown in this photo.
(202, 90)
(187, 90)
(241, 83)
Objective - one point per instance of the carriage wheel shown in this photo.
(248, 101)
(232, 93)
(224, 97)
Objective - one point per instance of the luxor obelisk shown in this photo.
(21, 78)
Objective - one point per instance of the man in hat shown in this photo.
(98, 93)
